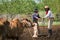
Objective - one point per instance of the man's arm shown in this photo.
(48, 15)
(34, 15)
(39, 16)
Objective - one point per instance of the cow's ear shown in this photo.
(28, 20)
(6, 22)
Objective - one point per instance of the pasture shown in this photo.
(21, 28)
(28, 32)
(43, 32)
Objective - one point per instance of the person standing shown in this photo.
(50, 18)
(35, 21)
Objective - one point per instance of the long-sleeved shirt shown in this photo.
(35, 16)
(49, 15)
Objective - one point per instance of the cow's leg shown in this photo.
(14, 38)
(3, 37)
(17, 38)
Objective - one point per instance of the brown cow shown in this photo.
(3, 27)
(15, 27)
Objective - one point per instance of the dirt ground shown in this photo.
(28, 32)
(43, 34)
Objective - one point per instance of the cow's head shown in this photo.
(15, 23)
(3, 21)
(21, 23)
(27, 23)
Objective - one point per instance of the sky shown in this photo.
(37, 1)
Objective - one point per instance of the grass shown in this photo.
(46, 23)
(56, 23)
(42, 14)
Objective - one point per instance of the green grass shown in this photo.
(42, 24)
(45, 24)
(56, 23)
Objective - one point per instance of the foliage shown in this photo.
(28, 6)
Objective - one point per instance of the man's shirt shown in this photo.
(35, 16)
(49, 14)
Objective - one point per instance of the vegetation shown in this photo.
(46, 23)
(27, 6)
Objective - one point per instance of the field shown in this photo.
(20, 9)
(28, 32)
(27, 35)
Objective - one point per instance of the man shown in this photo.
(50, 18)
(35, 21)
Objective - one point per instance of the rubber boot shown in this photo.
(49, 32)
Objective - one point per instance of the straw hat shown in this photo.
(46, 7)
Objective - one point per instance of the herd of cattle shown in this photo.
(13, 28)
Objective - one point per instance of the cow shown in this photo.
(3, 27)
(14, 28)
(17, 26)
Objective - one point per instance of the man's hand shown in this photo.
(37, 18)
